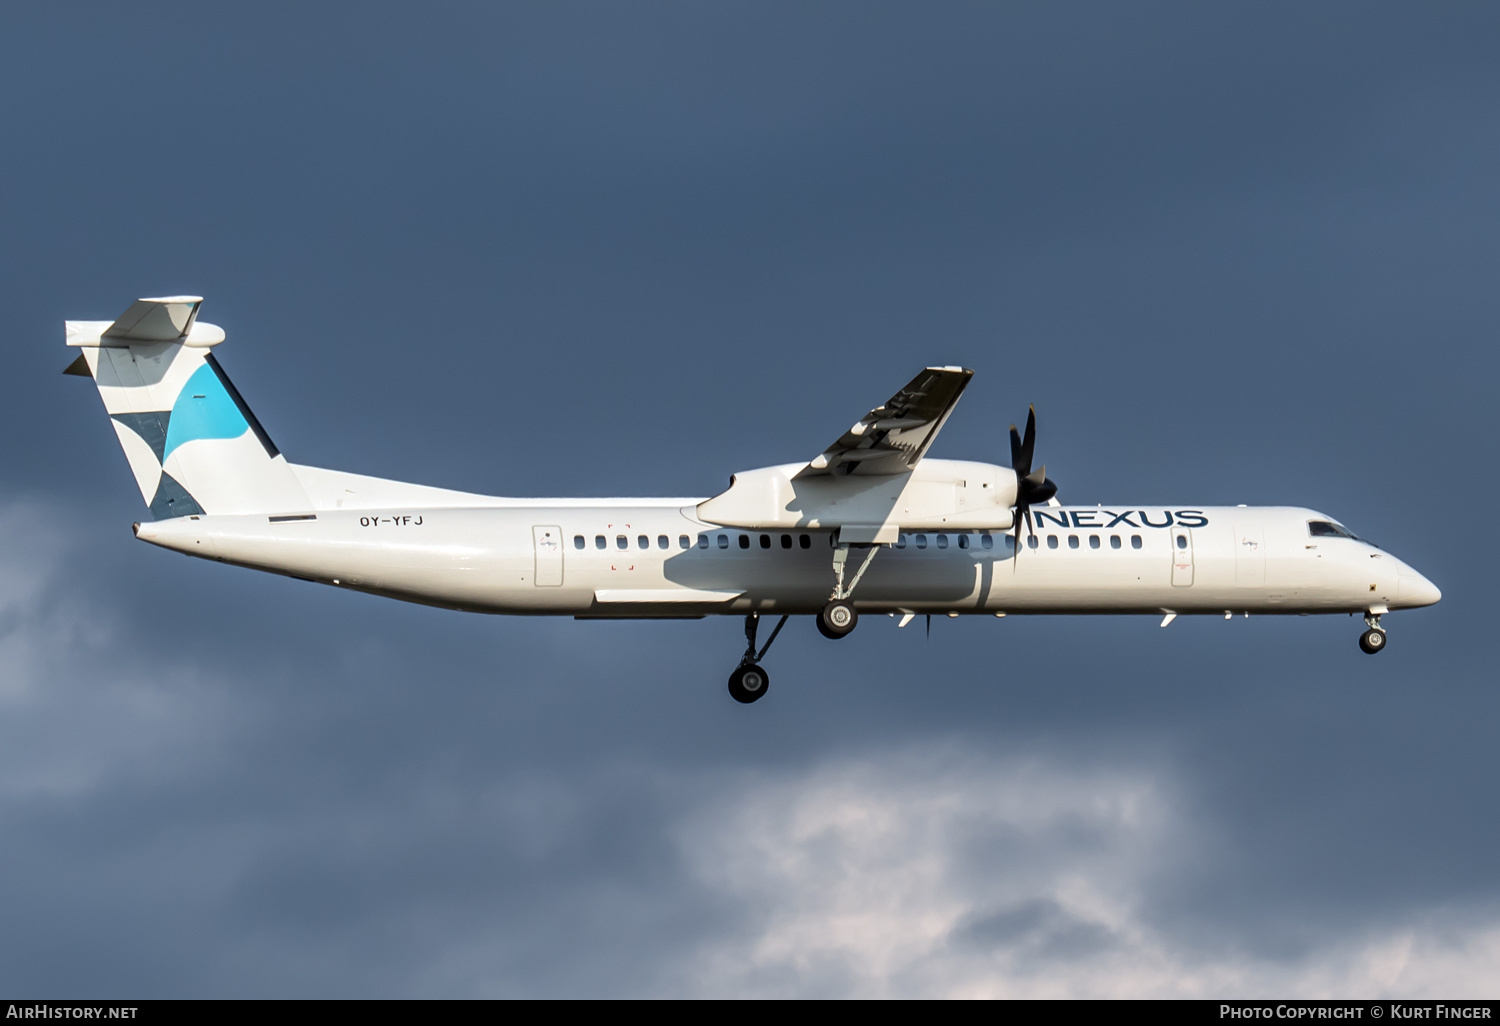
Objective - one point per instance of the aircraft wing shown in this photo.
(894, 436)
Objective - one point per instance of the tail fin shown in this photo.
(191, 441)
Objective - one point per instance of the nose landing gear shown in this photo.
(1372, 640)
(749, 681)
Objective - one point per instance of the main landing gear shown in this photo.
(839, 617)
(1372, 640)
(749, 681)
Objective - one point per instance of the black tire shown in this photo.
(748, 683)
(837, 619)
(1372, 641)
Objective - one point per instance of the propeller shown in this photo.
(1031, 487)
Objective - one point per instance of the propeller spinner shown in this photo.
(1031, 487)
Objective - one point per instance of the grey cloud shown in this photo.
(1040, 925)
(350, 829)
(858, 888)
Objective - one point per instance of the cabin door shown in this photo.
(1249, 556)
(549, 556)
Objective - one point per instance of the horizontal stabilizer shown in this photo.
(164, 319)
(156, 320)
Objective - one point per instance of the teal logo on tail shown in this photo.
(204, 409)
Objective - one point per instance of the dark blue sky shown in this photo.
(1232, 254)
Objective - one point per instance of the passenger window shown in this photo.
(786, 541)
(1135, 541)
(921, 541)
(723, 541)
(578, 541)
(986, 541)
(622, 542)
(600, 542)
(1051, 541)
(1114, 541)
(744, 541)
(1032, 541)
(900, 541)
(963, 541)
(1182, 541)
(703, 541)
(804, 541)
(1093, 541)
(643, 542)
(1010, 543)
(942, 541)
(765, 541)
(663, 542)
(684, 542)
(1072, 541)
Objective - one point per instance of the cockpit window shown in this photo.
(1328, 529)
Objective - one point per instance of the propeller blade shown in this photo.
(1031, 486)
(1028, 445)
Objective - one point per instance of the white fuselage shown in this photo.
(629, 558)
(872, 523)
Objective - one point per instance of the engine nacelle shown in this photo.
(937, 493)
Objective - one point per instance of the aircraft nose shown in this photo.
(1415, 590)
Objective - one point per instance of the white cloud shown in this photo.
(938, 873)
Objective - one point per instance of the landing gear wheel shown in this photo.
(837, 619)
(748, 683)
(1372, 641)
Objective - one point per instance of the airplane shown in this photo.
(870, 525)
